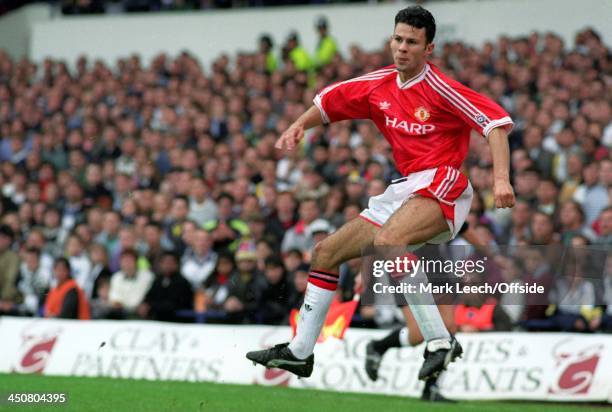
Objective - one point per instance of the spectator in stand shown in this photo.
(100, 271)
(66, 300)
(571, 219)
(80, 265)
(9, 269)
(547, 196)
(298, 289)
(293, 259)
(128, 286)
(526, 184)
(518, 230)
(604, 322)
(538, 271)
(605, 227)
(266, 50)
(216, 287)
(572, 303)
(327, 47)
(274, 293)
(226, 230)
(298, 237)
(169, 292)
(293, 53)
(73, 142)
(478, 313)
(34, 281)
(591, 195)
(245, 286)
(542, 229)
(109, 237)
(201, 207)
(199, 262)
(153, 244)
(284, 216)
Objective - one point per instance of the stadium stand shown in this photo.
(98, 163)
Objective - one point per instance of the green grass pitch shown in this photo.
(105, 394)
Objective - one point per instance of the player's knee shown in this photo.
(322, 256)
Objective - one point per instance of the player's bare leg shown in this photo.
(345, 244)
(419, 220)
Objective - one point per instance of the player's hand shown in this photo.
(290, 137)
(503, 193)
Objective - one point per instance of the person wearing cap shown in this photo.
(266, 46)
(327, 47)
(317, 231)
(297, 54)
(245, 286)
(9, 268)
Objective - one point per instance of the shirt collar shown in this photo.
(411, 82)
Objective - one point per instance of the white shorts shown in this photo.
(447, 185)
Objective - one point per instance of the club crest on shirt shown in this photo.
(422, 114)
(384, 105)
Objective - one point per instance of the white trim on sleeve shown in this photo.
(496, 123)
(317, 102)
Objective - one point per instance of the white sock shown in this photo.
(424, 310)
(430, 322)
(312, 317)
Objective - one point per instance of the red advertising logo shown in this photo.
(36, 346)
(576, 368)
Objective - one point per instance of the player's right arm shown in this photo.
(290, 137)
(340, 101)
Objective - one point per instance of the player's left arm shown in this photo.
(500, 151)
(489, 119)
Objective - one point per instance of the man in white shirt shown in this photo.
(199, 262)
(128, 286)
(201, 207)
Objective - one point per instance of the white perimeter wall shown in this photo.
(209, 33)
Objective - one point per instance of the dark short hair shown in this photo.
(63, 261)
(33, 250)
(267, 40)
(225, 195)
(274, 261)
(7, 231)
(181, 197)
(129, 252)
(170, 253)
(417, 16)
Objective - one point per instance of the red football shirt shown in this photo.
(427, 119)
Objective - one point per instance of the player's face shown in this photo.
(410, 49)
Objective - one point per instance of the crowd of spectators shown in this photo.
(159, 188)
